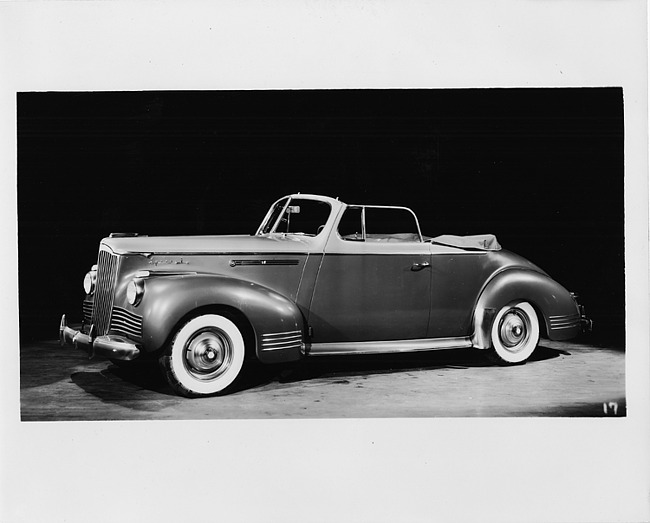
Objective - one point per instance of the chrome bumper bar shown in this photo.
(586, 325)
(109, 346)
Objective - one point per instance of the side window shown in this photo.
(390, 224)
(350, 225)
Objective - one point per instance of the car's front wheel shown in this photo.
(514, 334)
(205, 356)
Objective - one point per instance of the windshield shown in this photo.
(268, 225)
(297, 216)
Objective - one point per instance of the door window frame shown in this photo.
(363, 220)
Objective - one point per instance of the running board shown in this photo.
(385, 347)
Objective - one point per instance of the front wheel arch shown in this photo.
(235, 315)
(169, 300)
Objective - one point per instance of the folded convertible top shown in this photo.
(483, 242)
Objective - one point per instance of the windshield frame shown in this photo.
(270, 224)
(266, 226)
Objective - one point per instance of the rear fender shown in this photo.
(276, 321)
(557, 310)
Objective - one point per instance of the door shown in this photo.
(374, 284)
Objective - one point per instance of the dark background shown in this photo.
(540, 168)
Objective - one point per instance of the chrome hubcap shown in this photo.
(208, 353)
(514, 329)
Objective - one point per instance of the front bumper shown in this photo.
(110, 345)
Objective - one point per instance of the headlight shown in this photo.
(134, 291)
(90, 279)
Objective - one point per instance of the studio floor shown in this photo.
(561, 380)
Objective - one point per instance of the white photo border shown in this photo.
(329, 470)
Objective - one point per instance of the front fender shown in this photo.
(555, 306)
(276, 321)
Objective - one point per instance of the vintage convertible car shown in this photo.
(319, 277)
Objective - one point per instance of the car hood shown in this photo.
(208, 244)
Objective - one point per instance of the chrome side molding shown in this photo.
(385, 347)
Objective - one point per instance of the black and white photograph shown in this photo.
(325, 261)
(176, 185)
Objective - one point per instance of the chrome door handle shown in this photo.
(420, 266)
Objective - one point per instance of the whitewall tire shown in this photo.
(205, 356)
(514, 333)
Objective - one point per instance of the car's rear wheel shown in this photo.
(205, 356)
(514, 334)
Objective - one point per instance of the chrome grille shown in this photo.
(107, 266)
(88, 312)
(126, 322)
(282, 340)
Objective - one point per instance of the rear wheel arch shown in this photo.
(511, 286)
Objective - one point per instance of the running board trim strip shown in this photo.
(381, 347)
